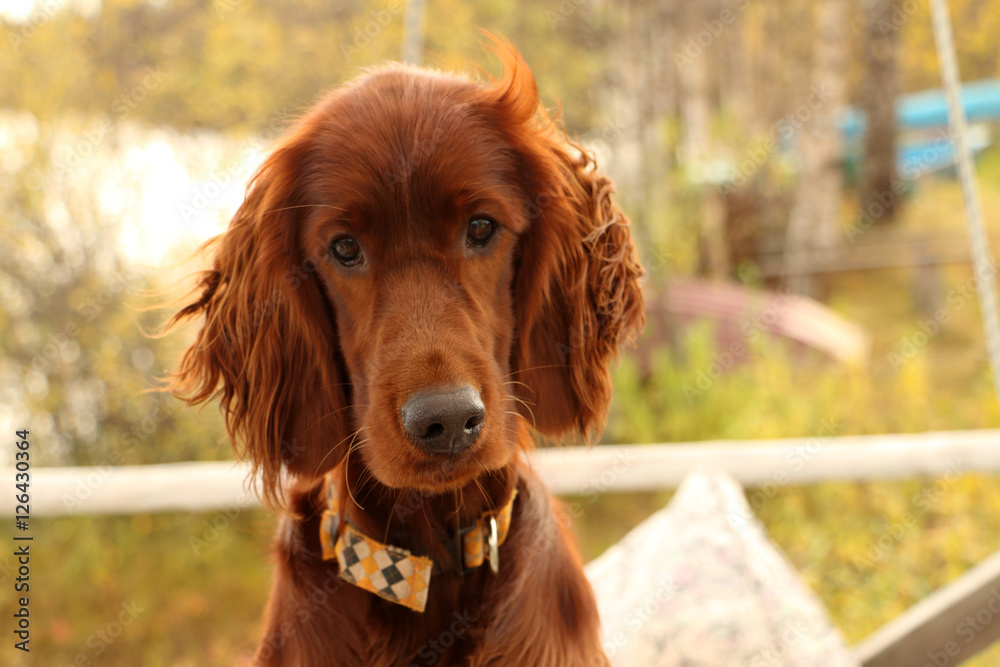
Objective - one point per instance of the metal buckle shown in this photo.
(494, 546)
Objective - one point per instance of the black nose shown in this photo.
(444, 421)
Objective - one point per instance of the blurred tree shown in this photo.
(709, 22)
(75, 362)
(702, 20)
(413, 31)
(879, 102)
(236, 64)
(814, 225)
(636, 99)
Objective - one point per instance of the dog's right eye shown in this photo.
(346, 250)
(480, 231)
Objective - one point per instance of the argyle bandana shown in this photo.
(393, 573)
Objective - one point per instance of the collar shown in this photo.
(394, 573)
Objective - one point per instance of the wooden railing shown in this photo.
(929, 628)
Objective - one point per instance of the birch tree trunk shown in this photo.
(707, 29)
(814, 225)
(640, 94)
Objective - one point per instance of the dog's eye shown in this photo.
(346, 250)
(480, 231)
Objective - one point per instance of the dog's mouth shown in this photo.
(445, 472)
(398, 464)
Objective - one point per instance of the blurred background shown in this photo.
(795, 152)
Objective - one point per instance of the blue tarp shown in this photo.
(928, 109)
(924, 116)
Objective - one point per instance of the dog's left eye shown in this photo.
(480, 231)
(346, 250)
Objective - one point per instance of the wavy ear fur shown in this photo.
(267, 347)
(577, 294)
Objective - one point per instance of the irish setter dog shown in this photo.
(425, 276)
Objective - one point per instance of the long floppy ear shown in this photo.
(268, 347)
(577, 294)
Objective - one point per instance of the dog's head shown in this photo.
(421, 263)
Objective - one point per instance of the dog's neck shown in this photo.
(421, 521)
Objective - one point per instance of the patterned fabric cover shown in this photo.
(394, 573)
(388, 572)
(699, 584)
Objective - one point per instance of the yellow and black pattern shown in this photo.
(390, 572)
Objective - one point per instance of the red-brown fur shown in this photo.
(312, 361)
